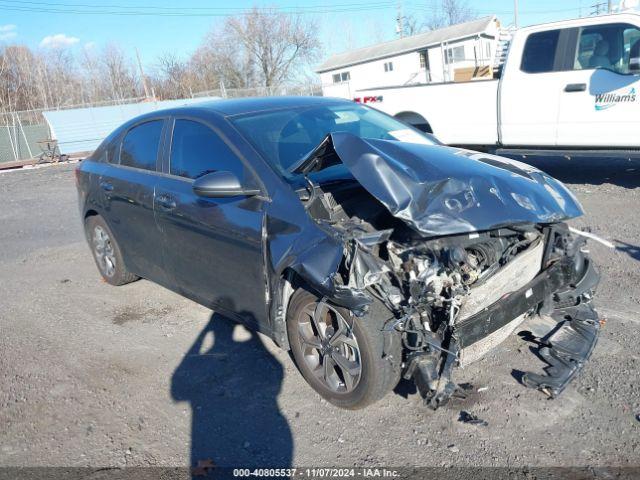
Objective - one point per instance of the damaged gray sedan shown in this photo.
(364, 246)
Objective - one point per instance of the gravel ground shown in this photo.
(94, 375)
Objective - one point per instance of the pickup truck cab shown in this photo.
(570, 84)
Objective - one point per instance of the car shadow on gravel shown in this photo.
(592, 171)
(232, 382)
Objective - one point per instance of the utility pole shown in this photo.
(515, 13)
(144, 79)
(610, 7)
(598, 8)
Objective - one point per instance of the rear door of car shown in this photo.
(212, 246)
(127, 187)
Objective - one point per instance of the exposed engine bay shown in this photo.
(453, 298)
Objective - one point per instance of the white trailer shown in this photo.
(566, 85)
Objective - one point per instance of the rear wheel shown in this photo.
(106, 252)
(350, 361)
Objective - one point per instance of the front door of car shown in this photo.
(212, 246)
(127, 188)
(600, 103)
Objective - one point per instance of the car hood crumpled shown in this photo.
(444, 191)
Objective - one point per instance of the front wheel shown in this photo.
(350, 361)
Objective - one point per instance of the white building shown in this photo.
(455, 53)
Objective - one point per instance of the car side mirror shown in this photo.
(220, 185)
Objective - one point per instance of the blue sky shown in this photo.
(344, 24)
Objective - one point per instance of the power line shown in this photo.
(66, 8)
(599, 8)
(186, 7)
(186, 11)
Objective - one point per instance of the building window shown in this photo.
(454, 55)
(388, 67)
(341, 77)
(424, 60)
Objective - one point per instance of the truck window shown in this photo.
(540, 51)
(606, 46)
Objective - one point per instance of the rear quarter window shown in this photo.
(140, 145)
(540, 51)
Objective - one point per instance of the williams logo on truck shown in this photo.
(608, 100)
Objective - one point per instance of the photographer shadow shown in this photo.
(232, 382)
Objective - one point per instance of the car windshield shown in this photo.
(286, 137)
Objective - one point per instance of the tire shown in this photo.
(106, 252)
(378, 352)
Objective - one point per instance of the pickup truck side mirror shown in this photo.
(221, 184)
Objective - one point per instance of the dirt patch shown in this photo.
(134, 313)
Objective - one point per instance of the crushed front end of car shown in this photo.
(461, 248)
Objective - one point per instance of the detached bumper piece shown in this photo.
(568, 346)
(566, 349)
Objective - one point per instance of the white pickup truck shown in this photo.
(565, 85)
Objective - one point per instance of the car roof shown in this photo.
(231, 107)
(239, 106)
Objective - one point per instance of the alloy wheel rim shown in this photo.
(104, 251)
(329, 347)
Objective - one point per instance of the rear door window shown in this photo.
(140, 145)
(540, 52)
(197, 150)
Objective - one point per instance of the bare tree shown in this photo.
(170, 78)
(222, 58)
(278, 43)
(410, 26)
(120, 73)
(449, 12)
(262, 48)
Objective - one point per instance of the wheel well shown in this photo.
(289, 281)
(90, 213)
(415, 120)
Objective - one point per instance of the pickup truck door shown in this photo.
(600, 101)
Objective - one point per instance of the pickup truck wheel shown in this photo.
(106, 252)
(350, 361)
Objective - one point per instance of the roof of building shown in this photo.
(406, 44)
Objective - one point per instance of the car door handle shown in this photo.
(575, 87)
(106, 186)
(166, 202)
